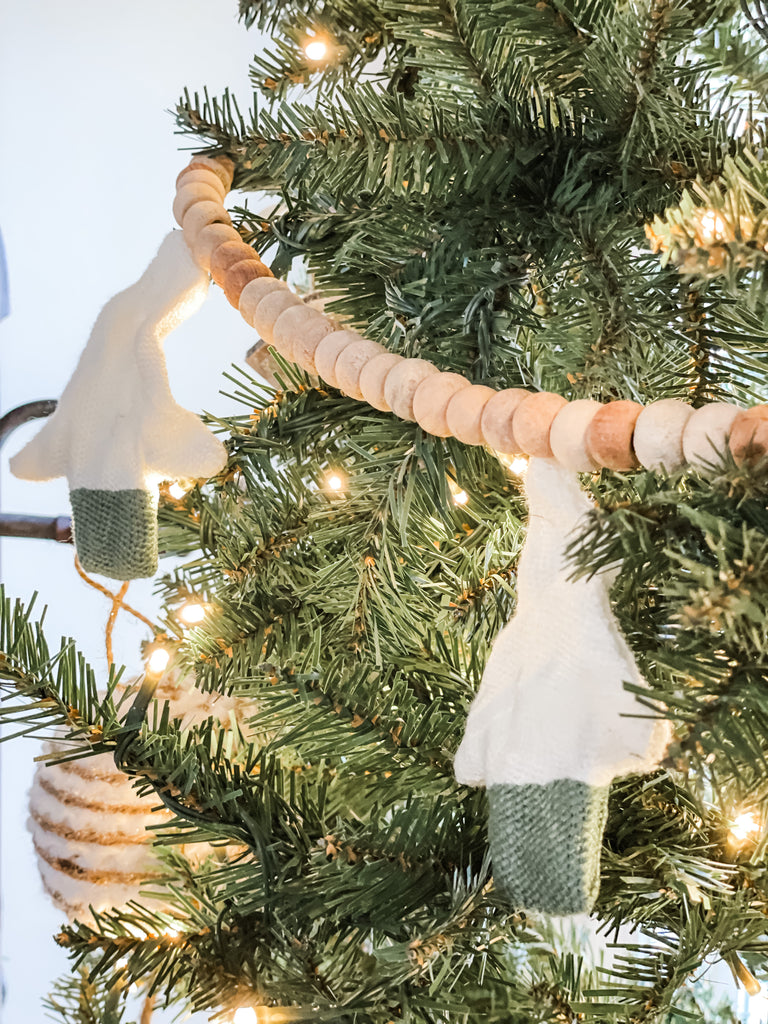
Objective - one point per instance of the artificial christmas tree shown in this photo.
(529, 198)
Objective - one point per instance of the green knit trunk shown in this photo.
(116, 532)
(545, 844)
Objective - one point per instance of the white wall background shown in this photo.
(88, 160)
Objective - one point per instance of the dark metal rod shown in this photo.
(58, 528)
(24, 413)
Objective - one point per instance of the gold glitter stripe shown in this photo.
(88, 835)
(68, 867)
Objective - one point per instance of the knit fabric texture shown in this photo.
(553, 707)
(567, 819)
(116, 532)
(117, 427)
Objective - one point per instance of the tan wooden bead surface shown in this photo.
(609, 435)
(270, 308)
(208, 239)
(497, 420)
(567, 435)
(401, 383)
(532, 422)
(658, 436)
(431, 398)
(350, 365)
(239, 275)
(226, 255)
(199, 215)
(705, 437)
(373, 377)
(328, 351)
(254, 292)
(201, 176)
(194, 192)
(305, 344)
(290, 325)
(465, 411)
(749, 435)
(221, 166)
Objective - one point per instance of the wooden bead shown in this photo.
(329, 350)
(749, 435)
(431, 398)
(226, 255)
(254, 292)
(609, 435)
(221, 166)
(208, 239)
(705, 437)
(373, 378)
(350, 365)
(238, 276)
(201, 176)
(401, 383)
(567, 435)
(305, 344)
(496, 421)
(198, 216)
(192, 193)
(290, 325)
(658, 437)
(270, 308)
(465, 411)
(533, 420)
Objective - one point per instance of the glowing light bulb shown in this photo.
(192, 612)
(460, 498)
(245, 1015)
(176, 491)
(316, 49)
(334, 482)
(519, 465)
(158, 660)
(745, 825)
(712, 226)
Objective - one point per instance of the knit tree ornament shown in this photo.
(117, 431)
(560, 665)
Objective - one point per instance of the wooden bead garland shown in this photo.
(583, 435)
(658, 437)
(533, 421)
(498, 417)
(749, 435)
(401, 382)
(705, 434)
(567, 435)
(431, 400)
(290, 325)
(373, 378)
(465, 410)
(609, 436)
(329, 350)
(350, 365)
(208, 239)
